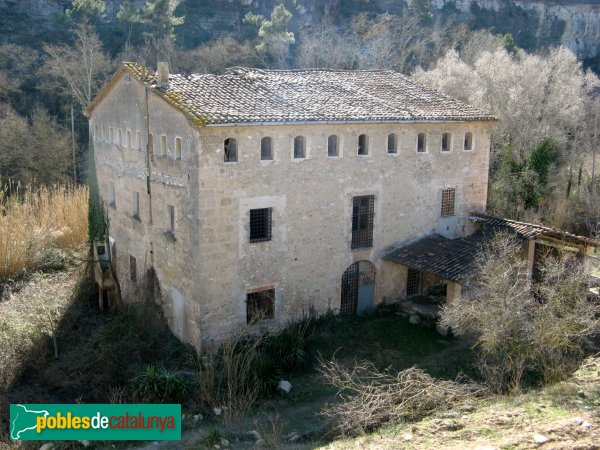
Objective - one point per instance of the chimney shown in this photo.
(162, 75)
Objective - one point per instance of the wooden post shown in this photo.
(530, 258)
(73, 146)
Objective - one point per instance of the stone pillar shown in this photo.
(453, 290)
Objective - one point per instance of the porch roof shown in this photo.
(449, 259)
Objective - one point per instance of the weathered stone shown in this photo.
(540, 439)
(284, 386)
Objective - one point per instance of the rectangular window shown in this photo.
(421, 143)
(260, 224)
(171, 212)
(299, 150)
(332, 145)
(163, 145)
(230, 150)
(448, 202)
(413, 282)
(363, 210)
(136, 205)
(392, 143)
(363, 145)
(132, 268)
(260, 305)
(446, 142)
(112, 197)
(266, 149)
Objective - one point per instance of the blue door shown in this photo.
(358, 288)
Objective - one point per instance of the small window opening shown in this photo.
(230, 150)
(136, 205)
(468, 141)
(363, 145)
(260, 305)
(103, 135)
(163, 145)
(119, 137)
(266, 148)
(260, 224)
(363, 209)
(392, 143)
(299, 150)
(129, 139)
(132, 268)
(332, 145)
(446, 142)
(421, 143)
(138, 139)
(178, 148)
(448, 196)
(171, 212)
(112, 198)
(150, 143)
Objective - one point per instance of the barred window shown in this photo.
(260, 224)
(421, 143)
(266, 149)
(332, 145)
(230, 150)
(468, 141)
(363, 209)
(448, 202)
(260, 305)
(446, 142)
(363, 145)
(392, 146)
(299, 148)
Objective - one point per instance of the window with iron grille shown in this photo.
(392, 143)
(446, 142)
(413, 282)
(299, 149)
(363, 145)
(332, 145)
(363, 208)
(266, 148)
(230, 149)
(260, 305)
(448, 196)
(260, 224)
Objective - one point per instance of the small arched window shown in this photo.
(230, 150)
(120, 137)
(129, 139)
(446, 142)
(266, 148)
(332, 145)
(177, 148)
(392, 143)
(421, 143)
(150, 144)
(163, 145)
(299, 150)
(363, 145)
(468, 141)
(138, 139)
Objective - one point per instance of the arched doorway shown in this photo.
(358, 288)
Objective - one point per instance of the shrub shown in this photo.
(159, 385)
(523, 329)
(288, 348)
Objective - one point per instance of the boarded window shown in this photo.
(266, 148)
(332, 145)
(468, 141)
(132, 268)
(260, 305)
(171, 213)
(421, 143)
(163, 145)
(138, 139)
(392, 143)
(136, 205)
(363, 210)
(260, 224)
(363, 145)
(129, 139)
(299, 150)
(448, 196)
(446, 142)
(112, 198)
(230, 150)
(177, 148)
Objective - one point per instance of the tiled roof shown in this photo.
(251, 96)
(450, 259)
(531, 231)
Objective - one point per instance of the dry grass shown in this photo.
(34, 221)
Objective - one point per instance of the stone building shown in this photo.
(257, 195)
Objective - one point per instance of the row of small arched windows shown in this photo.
(138, 140)
(266, 146)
